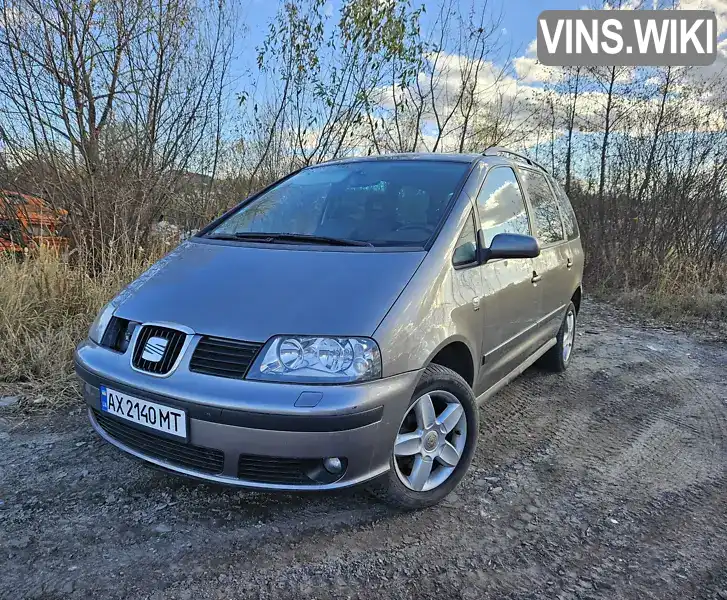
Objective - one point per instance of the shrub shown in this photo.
(46, 306)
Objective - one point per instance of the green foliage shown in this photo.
(294, 38)
(386, 31)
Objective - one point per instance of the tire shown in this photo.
(557, 359)
(445, 388)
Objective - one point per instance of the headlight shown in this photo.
(98, 327)
(304, 359)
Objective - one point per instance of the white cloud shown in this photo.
(531, 71)
(718, 6)
(517, 99)
(627, 5)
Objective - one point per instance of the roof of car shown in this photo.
(496, 153)
(438, 156)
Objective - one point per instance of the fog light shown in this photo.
(333, 465)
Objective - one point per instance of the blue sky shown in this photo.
(520, 89)
(518, 18)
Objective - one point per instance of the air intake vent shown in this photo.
(223, 358)
(206, 460)
(118, 334)
(157, 349)
(261, 469)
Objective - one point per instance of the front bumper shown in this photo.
(238, 421)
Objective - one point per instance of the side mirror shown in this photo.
(511, 245)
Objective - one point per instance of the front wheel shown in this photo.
(435, 442)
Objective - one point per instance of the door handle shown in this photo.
(569, 264)
(535, 277)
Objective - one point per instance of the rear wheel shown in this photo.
(435, 442)
(559, 356)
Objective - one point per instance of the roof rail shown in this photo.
(499, 151)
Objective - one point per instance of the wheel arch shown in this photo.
(455, 354)
(576, 298)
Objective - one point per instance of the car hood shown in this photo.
(252, 292)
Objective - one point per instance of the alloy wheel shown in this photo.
(569, 334)
(431, 441)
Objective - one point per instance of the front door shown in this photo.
(510, 298)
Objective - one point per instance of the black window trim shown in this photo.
(565, 239)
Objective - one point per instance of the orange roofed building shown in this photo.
(29, 222)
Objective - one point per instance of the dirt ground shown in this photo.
(608, 482)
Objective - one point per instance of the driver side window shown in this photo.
(501, 205)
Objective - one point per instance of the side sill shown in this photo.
(528, 362)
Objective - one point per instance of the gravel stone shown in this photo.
(644, 447)
(7, 401)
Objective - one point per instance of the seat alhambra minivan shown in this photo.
(341, 326)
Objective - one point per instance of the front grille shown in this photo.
(223, 358)
(205, 460)
(174, 342)
(264, 469)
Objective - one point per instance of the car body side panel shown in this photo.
(574, 252)
(510, 302)
(578, 261)
(438, 305)
(558, 281)
(509, 311)
(553, 296)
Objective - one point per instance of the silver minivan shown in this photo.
(341, 326)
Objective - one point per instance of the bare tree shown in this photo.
(573, 83)
(116, 97)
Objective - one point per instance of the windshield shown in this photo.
(382, 203)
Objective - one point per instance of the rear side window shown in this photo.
(546, 216)
(566, 211)
(501, 206)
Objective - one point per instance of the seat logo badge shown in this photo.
(154, 349)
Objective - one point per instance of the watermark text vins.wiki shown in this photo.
(628, 38)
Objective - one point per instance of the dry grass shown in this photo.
(676, 308)
(46, 307)
(679, 292)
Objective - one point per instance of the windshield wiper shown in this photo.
(221, 236)
(270, 238)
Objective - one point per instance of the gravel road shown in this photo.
(607, 482)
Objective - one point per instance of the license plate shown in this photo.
(149, 414)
